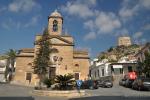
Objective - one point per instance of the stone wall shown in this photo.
(83, 68)
(24, 65)
(73, 93)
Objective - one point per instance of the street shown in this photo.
(12, 92)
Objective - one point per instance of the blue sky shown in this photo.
(94, 24)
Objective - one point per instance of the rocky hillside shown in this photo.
(113, 54)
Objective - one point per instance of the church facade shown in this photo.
(65, 59)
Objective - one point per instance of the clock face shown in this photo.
(54, 58)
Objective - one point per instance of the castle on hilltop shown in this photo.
(124, 40)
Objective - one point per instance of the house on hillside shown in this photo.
(141, 54)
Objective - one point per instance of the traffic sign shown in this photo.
(79, 83)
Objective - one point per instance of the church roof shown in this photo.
(27, 50)
(55, 14)
(80, 54)
(83, 52)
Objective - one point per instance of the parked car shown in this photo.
(90, 84)
(100, 83)
(122, 82)
(130, 77)
(128, 83)
(107, 83)
(141, 84)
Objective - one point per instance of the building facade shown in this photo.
(3, 65)
(124, 40)
(100, 69)
(65, 59)
(105, 70)
(141, 54)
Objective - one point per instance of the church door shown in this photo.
(52, 72)
(76, 76)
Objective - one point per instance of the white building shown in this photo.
(99, 69)
(123, 66)
(3, 64)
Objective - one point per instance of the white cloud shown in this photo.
(124, 12)
(22, 5)
(122, 32)
(103, 23)
(90, 36)
(130, 8)
(138, 39)
(89, 24)
(128, 11)
(80, 8)
(107, 22)
(32, 22)
(145, 3)
(13, 24)
(10, 23)
(146, 27)
(137, 35)
(96, 21)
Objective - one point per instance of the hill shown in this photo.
(113, 54)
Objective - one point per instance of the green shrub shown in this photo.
(47, 82)
(65, 82)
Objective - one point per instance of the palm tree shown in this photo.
(11, 56)
(65, 81)
(11, 61)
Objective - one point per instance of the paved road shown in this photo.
(12, 92)
(118, 91)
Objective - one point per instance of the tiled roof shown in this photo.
(27, 50)
(85, 52)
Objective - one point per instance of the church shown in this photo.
(65, 59)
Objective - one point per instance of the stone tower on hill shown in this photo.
(124, 40)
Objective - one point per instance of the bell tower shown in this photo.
(55, 22)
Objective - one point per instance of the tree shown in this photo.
(11, 61)
(146, 64)
(110, 49)
(65, 81)
(41, 62)
(139, 67)
(11, 56)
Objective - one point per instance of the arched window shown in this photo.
(55, 26)
(76, 65)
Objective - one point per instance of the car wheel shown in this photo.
(139, 88)
(91, 87)
(132, 87)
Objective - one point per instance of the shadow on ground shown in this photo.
(111, 98)
(17, 98)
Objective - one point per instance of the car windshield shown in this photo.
(146, 80)
(107, 81)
